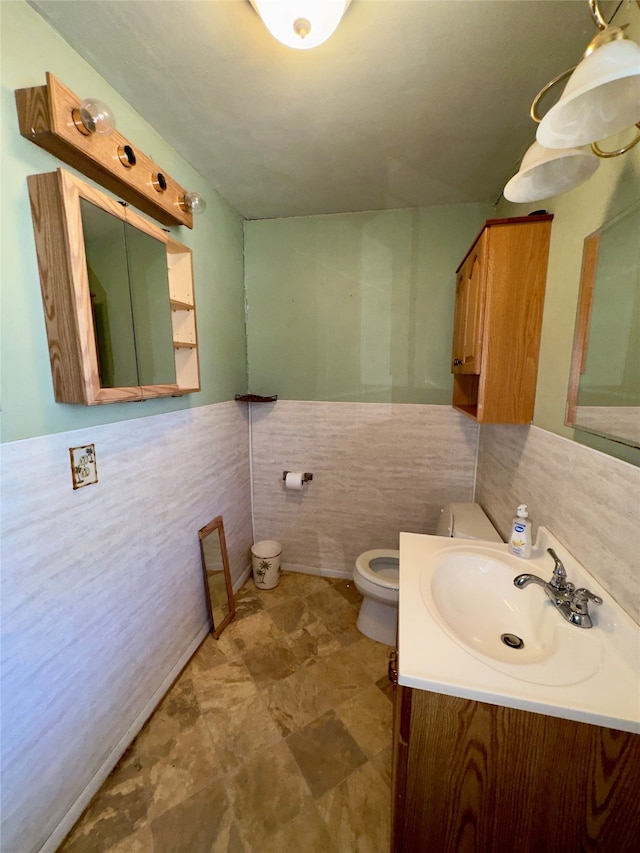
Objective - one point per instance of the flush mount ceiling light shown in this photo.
(301, 24)
(601, 99)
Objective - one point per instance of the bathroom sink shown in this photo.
(458, 602)
(470, 593)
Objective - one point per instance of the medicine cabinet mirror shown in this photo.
(217, 576)
(604, 389)
(118, 297)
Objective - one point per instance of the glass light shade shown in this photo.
(546, 172)
(97, 117)
(601, 98)
(194, 202)
(301, 24)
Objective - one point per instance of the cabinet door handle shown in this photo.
(393, 666)
(457, 362)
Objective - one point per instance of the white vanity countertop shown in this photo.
(431, 658)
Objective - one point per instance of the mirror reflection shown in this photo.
(217, 576)
(604, 395)
(129, 287)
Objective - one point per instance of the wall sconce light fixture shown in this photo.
(301, 24)
(77, 132)
(93, 116)
(601, 99)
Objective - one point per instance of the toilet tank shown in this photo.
(466, 521)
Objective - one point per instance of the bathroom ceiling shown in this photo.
(411, 102)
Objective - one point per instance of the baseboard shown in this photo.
(323, 573)
(69, 820)
(303, 570)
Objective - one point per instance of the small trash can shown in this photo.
(265, 558)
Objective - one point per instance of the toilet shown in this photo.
(377, 572)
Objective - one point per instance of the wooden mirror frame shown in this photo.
(203, 533)
(64, 280)
(581, 336)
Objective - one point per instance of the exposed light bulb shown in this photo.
(193, 202)
(301, 24)
(94, 116)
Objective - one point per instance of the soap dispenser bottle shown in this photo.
(520, 539)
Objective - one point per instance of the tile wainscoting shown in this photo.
(587, 499)
(102, 596)
(377, 469)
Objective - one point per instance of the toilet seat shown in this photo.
(380, 567)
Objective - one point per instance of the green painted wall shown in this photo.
(356, 306)
(346, 307)
(578, 213)
(30, 48)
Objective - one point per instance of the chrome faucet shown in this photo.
(572, 603)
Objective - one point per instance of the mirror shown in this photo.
(129, 290)
(604, 389)
(109, 291)
(217, 576)
(118, 297)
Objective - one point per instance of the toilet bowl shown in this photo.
(376, 576)
(377, 573)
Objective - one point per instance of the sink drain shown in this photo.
(513, 641)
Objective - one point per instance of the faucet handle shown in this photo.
(559, 578)
(581, 598)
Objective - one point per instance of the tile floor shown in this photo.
(276, 738)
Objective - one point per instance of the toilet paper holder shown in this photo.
(305, 477)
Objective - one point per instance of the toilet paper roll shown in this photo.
(294, 481)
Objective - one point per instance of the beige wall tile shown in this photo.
(377, 469)
(589, 500)
(102, 591)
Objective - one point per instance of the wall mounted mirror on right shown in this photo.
(604, 385)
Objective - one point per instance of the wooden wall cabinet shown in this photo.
(468, 323)
(500, 288)
(150, 349)
(472, 778)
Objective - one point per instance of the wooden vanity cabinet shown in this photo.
(500, 288)
(469, 777)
